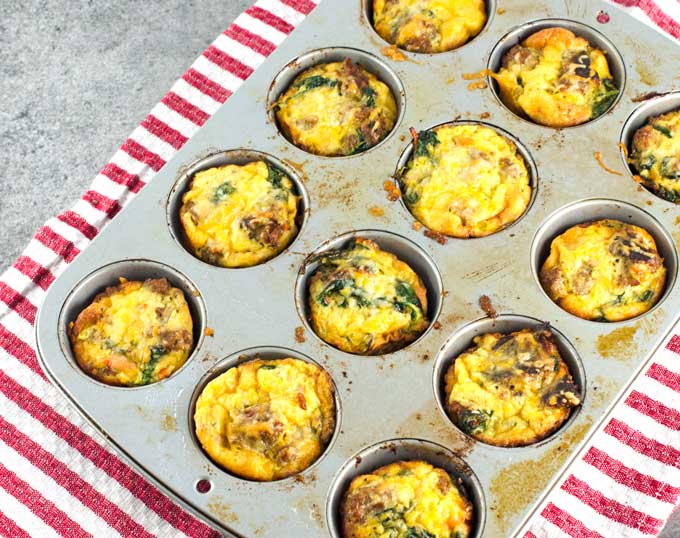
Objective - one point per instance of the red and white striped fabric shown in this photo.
(59, 478)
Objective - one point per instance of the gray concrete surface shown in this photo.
(76, 76)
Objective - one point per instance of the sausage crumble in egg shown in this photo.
(266, 420)
(655, 155)
(406, 499)
(428, 25)
(366, 301)
(605, 270)
(510, 389)
(556, 79)
(239, 215)
(134, 333)
(336, 109)
(465, 180)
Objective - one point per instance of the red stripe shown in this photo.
(139, 152)
(529, 534)
(250, 40)
(205, 85)
(10, 529)
(57, 243)
(69, 480)
(674, 344)
(664, 376)
(303, 6)
(17, 302)
(163, 131)
(269, 18)
(116, 174)
(79, 223)
(33, 270)
(103, 459)
(644, 445)
(630, 477)
(16, 347)
(102, 203)
(662, 19)
(185, 109)
(567, 523)
(610, 508)
(39, 505)
(227, 62)
(654, 410)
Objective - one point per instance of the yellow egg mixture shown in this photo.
(465, 181)
(605, 270)
(510, 389)
(428, 25)
(134, 333)
(239, 215)
(406, 499)
(336, 109)
(655, 155)
(364, 300)
(556, 79)
(266, 419)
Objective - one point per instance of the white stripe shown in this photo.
(281, 10)
(669, 7)
(218, 75)
(95, 217)
(647, 425)
(24, 285)
(542, 528)
(257, 27)
(68, 232)
(132, 166)
(109, 188)
(152, 143)
(45, 256)
(175, 120)
(26, 519)
(196, 97)
(668, 359)
(18, 325)
(657, 391)
(236, 50)
(55, 493)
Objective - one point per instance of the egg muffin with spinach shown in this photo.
(406, 499)
(605, 270)
(465, 180)
(239, 215)
(366, 301)
(510, 389)
(655, 155)
(266, 420)
(134, 333)
(336, 109)
(428, 25)
(557, 79)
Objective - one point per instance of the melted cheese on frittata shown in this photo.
(510, 390)
(428, 25)
(337, 108)
(406, 499)
(465, 181)
(556, 79)
(655, 155)
(606, 270)
(239, 215)
(266, 419)
(364, 300)
(135, 333)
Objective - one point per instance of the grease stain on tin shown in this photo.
(619, 344)
(428, 421)
(222, 510)
(646, 74)
(168, 423)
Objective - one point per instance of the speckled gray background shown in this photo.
(76, 77)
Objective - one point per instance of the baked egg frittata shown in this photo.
(605, 270)
(336, 109)
(406, 499)
(266, 419)
(366, 301)
(428, 25)
(134, 333)
(510, 389)
(556, 79)
(655, 155)
(465, 180)
(239, 215)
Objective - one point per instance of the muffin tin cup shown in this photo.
(584, 211)
(617, 66)
(247, 355)
(402, 248)
(390, 451)
(96, 282)
(462, 340)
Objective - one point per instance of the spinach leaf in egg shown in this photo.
(607, 96)
(315, 81)
(418, 532)
(223, 191)
(670, 167)
(275, 176)
(155, 354)
(663, 130)
(425, 143)
(474, 421)
(369, 94)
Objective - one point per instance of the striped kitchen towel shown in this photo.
(58, 477)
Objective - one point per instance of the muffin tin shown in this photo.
(389, 406)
